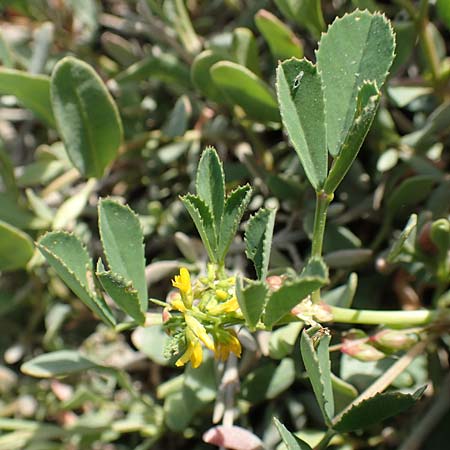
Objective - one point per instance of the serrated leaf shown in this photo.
(122, 240)
(291, 441)
(399, 243)
(251, 299)
(302, 110)
(258, 240)
(16, 247)
(86, 115)
(235, 205)
(245, 89)
(282, 41)
(315, 355)
(57, 364)
(201, 76)
(366, 108)
(66, 254)
(122, 292)
(204, 222)
(210, 184)
(376, 409)
(358, 47)
(33, 91)
(291, 293)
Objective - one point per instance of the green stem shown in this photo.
(323, 444)
(394, 318)
(323, 200)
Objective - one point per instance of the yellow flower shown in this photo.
(225, 307)
(178, 305)
(228, 343)
(183, 283)
(199, 330)
(193, 353)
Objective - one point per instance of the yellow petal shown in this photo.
(183, 281)
(222, 308)
(199, 330)
(178, 305)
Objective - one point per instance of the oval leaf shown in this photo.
(57, 364)
(245, 89)
(86, 115)
(302, 110)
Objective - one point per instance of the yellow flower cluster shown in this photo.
(207, 308)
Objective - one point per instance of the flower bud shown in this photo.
(274, 282)
(393, 340)
(361, 350)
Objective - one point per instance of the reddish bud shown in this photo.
(394, 340)
(362, 351)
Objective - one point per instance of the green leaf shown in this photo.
(16, 247)
(366, 108)
(314, 347)
(376, 409)
(291, 441)
(66, 254)
(258, 240)
(282, 340)
(210, 184)
(164, 67)
(357, 48)
(399, 243)
(204, 222)
(344, 393)
(343, 295)
(33, 91)
(177, 122)
(235, 206)
(410, 192)
(122, 241)
(245, 49)
(306, 13)
(282, 41)
(57, 364)
(122, 292)
(245, 89)
(201, 76)
(291, 293)
(443, 10)
(251, 299)
(151, 341)
(87, 117)
(302, 110)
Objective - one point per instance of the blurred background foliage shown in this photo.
(185, 75)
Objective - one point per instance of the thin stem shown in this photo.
(323, 200)
(323, 444)
(394, 318)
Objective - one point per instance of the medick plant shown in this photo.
(326, 109)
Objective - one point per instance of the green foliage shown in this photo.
(86, 116)
(70, 260)
(122, 241)
(16, 247)
(245, 89)
(375, 409)
(314, 346)
(33, 91)
(258, 240)
(356, 48)
(56, 364)
(252, 291)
